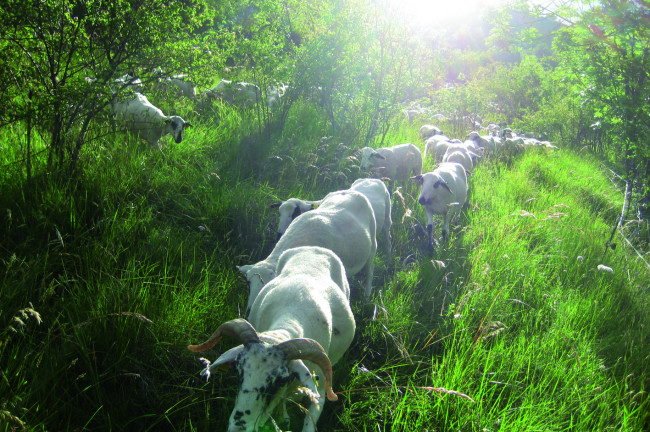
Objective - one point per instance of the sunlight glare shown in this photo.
(432, 15)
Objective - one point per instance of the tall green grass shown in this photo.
(502, 328)
(537, 338)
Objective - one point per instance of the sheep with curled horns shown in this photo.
(303, 319)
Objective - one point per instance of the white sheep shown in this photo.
(493, 129)
(377, 193)
(548, 145)
(460, 157)
(472, 146)
(142, 118)
(443, 192)
(467, 147)
(243, 93)
(181, 84)
(396, 163)
(604, 269)
(344, 222)
(428, 130)
(436, 146)
(469, 157)
(300, 321)
(373, 189)
(487, 143)
(534, 142)
(413, 113)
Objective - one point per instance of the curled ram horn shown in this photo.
(239, 329)
(309, 349)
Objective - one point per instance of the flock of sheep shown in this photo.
(298, 316)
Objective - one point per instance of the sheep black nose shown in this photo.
(423, 200)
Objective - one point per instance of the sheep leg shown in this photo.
(430, 232)
(445, 226)
(430, 229)
(370, 270)
(388, 245)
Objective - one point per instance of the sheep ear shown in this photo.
(417, 177)
(303, 374)
(228, 357)
(276, 205)
(244, 269)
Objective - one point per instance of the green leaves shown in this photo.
(69, 53)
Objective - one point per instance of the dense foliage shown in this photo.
(115, 256)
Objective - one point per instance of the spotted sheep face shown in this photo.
(177, 125)
(264, 374)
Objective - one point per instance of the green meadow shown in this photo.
(509, 326)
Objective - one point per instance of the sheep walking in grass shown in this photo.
(444, 192)
(239, 93)
(299, 322)
(489, 144)
(459, 157)
(379, 197)
(142, 118)
(373, 189)
(180, 85)
(436, 146)
(397, 163)
(344, 223)
(427, 131)
(465, 154)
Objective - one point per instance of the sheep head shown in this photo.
(257, 275)
(370, 158)
(430, 183)
(176, 126)
(291, 209)
(265, 371)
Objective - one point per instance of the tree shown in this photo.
(606, 52)
(60, 60)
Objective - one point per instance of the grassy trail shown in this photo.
(507, 327)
